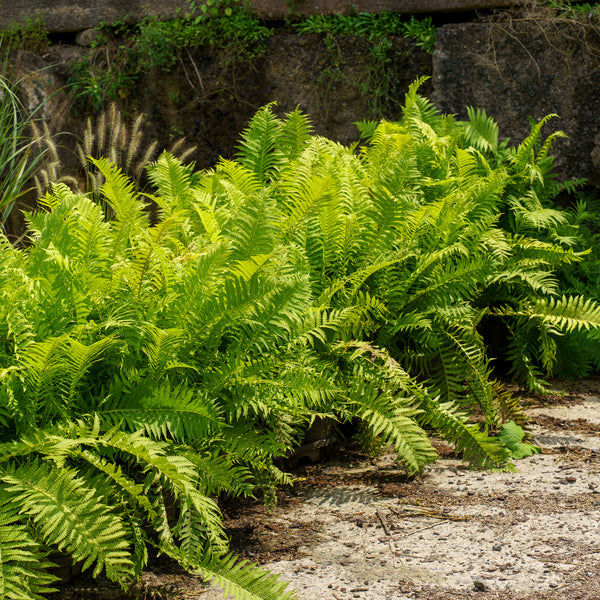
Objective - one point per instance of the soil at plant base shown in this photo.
(355, 527)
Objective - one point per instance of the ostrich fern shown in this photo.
(147, 366)
(438, 228)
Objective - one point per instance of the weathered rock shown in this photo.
(39, 87)
(279, 9)
(76, 15)
(429, 6)
(526, 68)
(596, 152)
(87, 37)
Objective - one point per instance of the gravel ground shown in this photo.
(356, 528)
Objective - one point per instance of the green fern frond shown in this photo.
(172, 470)
(418, 109)
(259, 149)
(243, 182)
(53, 370)
(23, 566)
(116, 480)
(172, 180)
(248, 446)
(119, 192)
(481, 131)
(527, 273)
(387, 409)
(524, 160)
(555, 255)
(509, 404)
(393, 421)
(366, 129)
(578, 354)
(547, 146)
(524, 370)
(566, 314)
(168, 414)
(242, 580)
(219, 474)
(477, 448)
(161, 347)
(476, 370)
(71, 517)
(253, 229)
(530, 213)
(295, 133)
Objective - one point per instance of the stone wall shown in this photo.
(76, 15)
(512, 68)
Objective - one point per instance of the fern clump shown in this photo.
(148, 365)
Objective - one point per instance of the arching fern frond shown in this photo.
(567, 314)
(71, 517)
(166, 412)
(240, 579)
(387, 410)
(477, 447)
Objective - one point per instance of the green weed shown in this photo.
(121, 54)
(30, 35)
(373, 26)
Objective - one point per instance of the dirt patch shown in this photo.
(357, 528)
